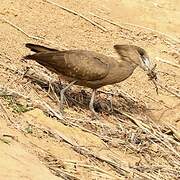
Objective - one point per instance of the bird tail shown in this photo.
(38, 48)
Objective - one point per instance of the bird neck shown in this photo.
(126, 68)
(128, 65)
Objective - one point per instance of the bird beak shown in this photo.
(149, 68)
(145, 64)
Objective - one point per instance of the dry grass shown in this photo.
(155, 145)
(125, 143)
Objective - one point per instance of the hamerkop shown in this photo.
(88, 68)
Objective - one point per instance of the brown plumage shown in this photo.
(91, 69)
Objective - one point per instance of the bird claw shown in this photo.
(61, 111)
(94, 116)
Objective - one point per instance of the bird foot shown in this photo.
(94, 116)
(61, 108)
(61, 111)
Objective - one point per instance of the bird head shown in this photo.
(134, 55)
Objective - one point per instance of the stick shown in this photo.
(19, 29)
(109, 21)
(142, 27)
(168, 62)
(122, 93)
(5, 56)
(59, 116)
(134, 120)
(94, 168)
(157, 101)
(78, 14)
(167, 73)
(29, 36)
(168, 90)
(63, 174)
(176, 134)
(155, 31)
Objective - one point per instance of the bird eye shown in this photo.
(141, 53)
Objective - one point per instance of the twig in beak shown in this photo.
(153, 77)
(156, 87)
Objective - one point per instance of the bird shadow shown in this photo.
(76, 97)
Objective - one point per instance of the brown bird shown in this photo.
(91, 69)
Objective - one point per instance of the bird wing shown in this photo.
(78, 64)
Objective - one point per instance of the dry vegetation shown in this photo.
(138, 133)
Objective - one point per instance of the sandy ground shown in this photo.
(139, 141)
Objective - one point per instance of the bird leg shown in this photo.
(91, 106)
(62, 95)
(111, 102)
